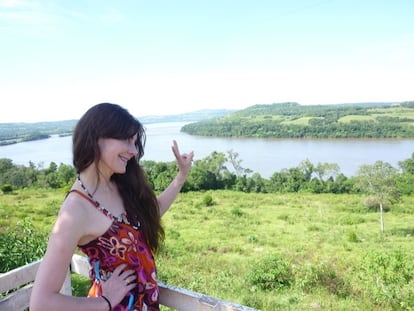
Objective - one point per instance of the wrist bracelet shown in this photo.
(109, 303)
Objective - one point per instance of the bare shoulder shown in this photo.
(83, 215)
(71, 226)
(74, 205)
(73, 217)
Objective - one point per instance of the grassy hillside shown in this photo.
(272, 251)
(291, 120)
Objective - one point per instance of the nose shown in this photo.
(132, 149)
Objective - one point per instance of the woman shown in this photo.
(112, 215)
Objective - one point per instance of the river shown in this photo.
(264, 156)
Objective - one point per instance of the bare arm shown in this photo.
(167, 197)
(51, 274)
(71, 225)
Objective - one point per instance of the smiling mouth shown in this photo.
(124, 159)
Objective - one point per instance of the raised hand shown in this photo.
(183, 160)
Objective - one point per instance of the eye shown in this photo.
(132, 140)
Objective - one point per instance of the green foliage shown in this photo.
(378, 180)
(236, 211)
(387, 276)
(208, 200)
(20, 176)
(219, 250)
(311, 276)
(18, 132)
(408, 165)
(270, 272)
(7, 188)
(80, 285)
(21, 245)
(160, 174)
(213, 173)
(291, 120)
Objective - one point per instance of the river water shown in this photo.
(264, 156)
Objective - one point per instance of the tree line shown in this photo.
(291, 120)
(221, 171)
(13, 133)
(382, 183)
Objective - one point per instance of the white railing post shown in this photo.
(67, 285)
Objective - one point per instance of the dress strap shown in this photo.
(84, 196)
(94, 203)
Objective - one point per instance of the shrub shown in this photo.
(21, 246)
(7, 188)
(373, 204)
(352, 236)
(314, 275)
(387, 277)
(270, 272)
(208, 200)
(235, 211)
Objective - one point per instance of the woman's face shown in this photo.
(115, 153)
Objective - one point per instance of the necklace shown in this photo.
(121, 218)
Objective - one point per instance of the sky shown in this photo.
(60, 57)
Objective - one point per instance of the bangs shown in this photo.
(125, 131)
(122, 128)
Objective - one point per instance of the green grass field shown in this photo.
(396, 112)
(272, 251)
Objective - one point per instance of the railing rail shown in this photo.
(20, 282)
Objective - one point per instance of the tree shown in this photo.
(307, 169)
(233, 158)
(160, 174)
(325, 171)
(5, 165)
(408, 165)
(379, 180)
(200, 179)
(215, 164)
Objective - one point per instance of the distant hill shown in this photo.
(292, 120)
(11, 133)
(189, 116)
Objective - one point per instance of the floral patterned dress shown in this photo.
(123, 243)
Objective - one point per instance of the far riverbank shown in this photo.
(264, 156)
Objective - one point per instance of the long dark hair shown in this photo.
(108, 120)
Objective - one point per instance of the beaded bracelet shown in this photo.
(109, 303)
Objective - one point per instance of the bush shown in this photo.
(208, 200)
(310, 276)
(21, 246)
(373, 204)
(235, 211)
(270, 272)
(387, 277)
(7, 188)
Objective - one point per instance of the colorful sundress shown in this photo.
(123, 243)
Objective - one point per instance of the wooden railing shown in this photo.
(16, 287)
